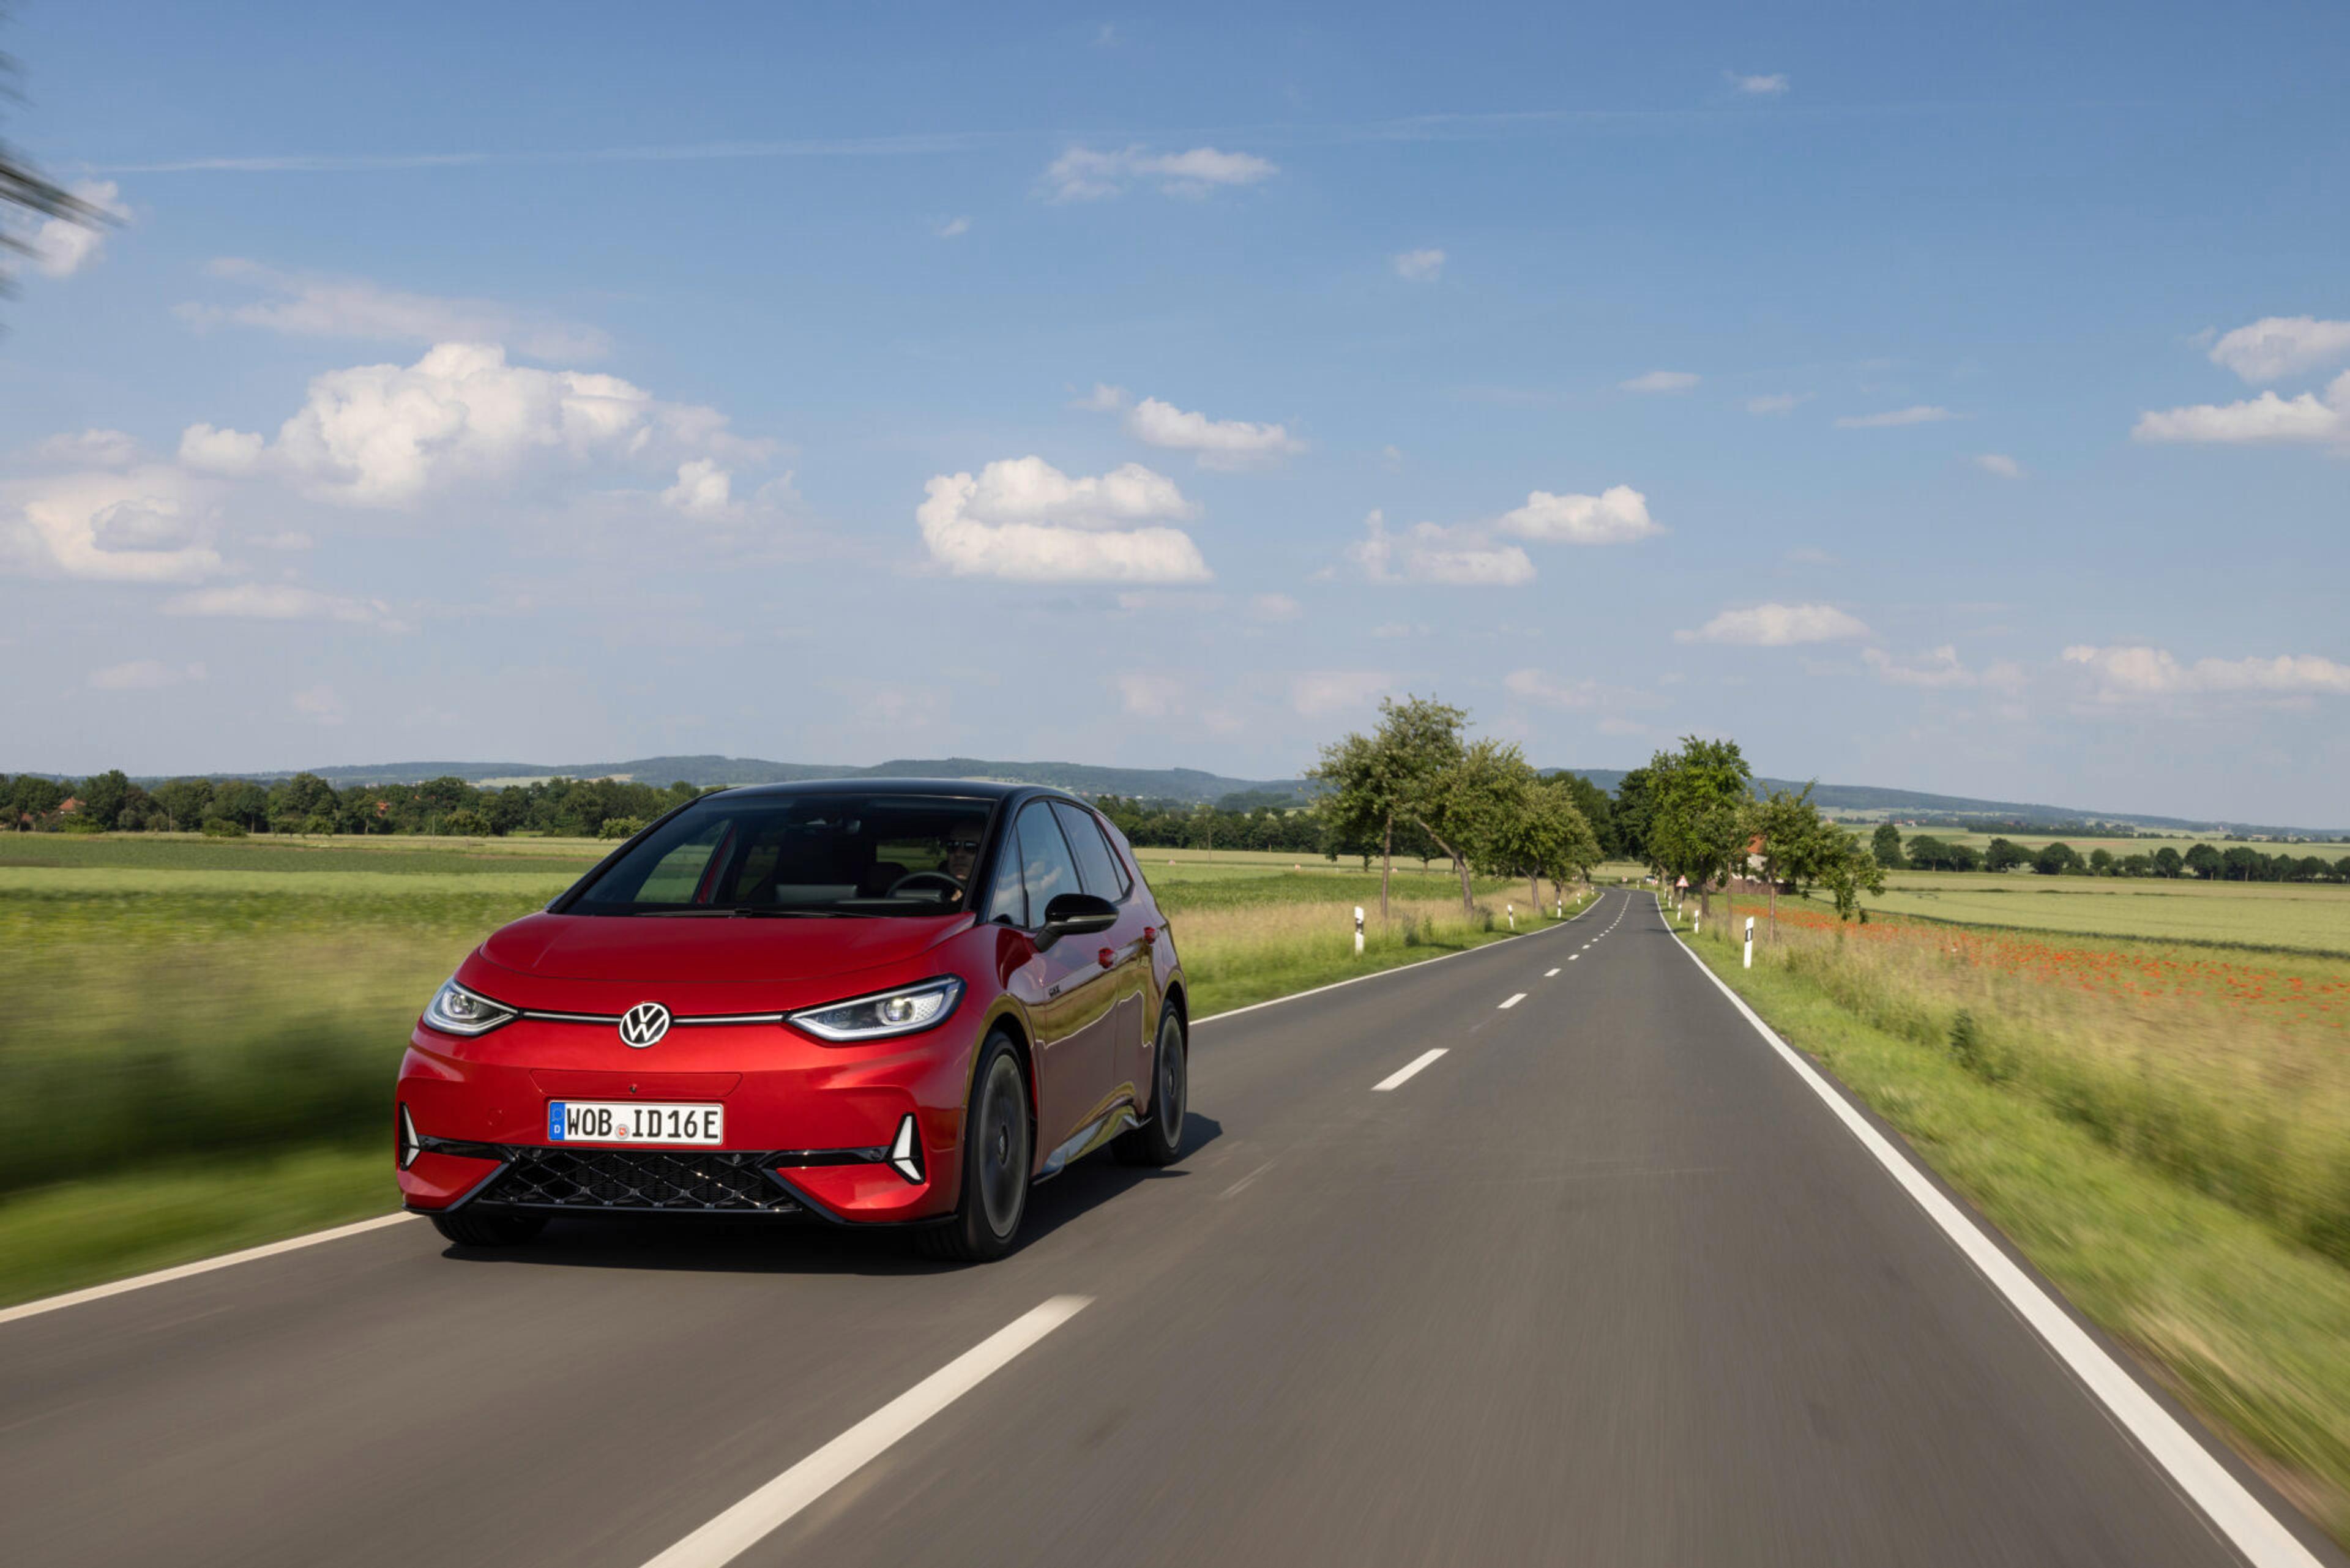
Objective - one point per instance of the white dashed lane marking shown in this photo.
(1403, 1074)
(1514, 1001)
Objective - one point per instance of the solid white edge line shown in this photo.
(751, 1521)
(2232, 1509)
(201, 1266)
(1514, 1000)
(1404, 1073)
(1399, 969)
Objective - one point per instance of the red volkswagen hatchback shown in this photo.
(891, 1003)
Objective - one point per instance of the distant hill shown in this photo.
(1858, 800)
(1193, 786)
(1189, 785)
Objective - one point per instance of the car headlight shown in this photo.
(453, 1010)
(901, 1012)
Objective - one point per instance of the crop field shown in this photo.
(189, 1014)
(2306, 917)
(2118, 846)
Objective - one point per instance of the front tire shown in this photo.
(1159, 1140)
(996, 1160)
(472, 1227)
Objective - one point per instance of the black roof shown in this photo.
(958, 789)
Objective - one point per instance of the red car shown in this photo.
(887, 1003)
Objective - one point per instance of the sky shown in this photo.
(1954, 399)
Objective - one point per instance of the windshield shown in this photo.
(845, 854)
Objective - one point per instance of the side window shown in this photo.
(1097, 867)
(1044, 864)
(1006, 900)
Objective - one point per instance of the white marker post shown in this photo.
(1513, 916)
(1358, 931)
(1750, 941)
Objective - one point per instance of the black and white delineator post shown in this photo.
(1513, 916)
(1750, 941)
(1358, 931)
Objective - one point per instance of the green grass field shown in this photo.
(2117, 845)
(2307, 916)
(189, 1014)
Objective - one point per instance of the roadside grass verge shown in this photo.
(213, 1045)
(2246, 1322)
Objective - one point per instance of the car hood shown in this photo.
(709, 951)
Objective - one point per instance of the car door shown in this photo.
(1073, 1017)
(1129, 1052)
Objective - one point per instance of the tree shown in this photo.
(2203, 860)
(1887, 847)
(2166, 861)
(34, 798)
(1591, 801)
(1698, 829)
(2054, 860)
(2005, 855)
(24, 190)
(103, 796)
(242, 801)
(1371, 779)
(1634, 809)
(1546, 835)
(1468, 808)
(184, 803)
(2101, 862)
(467, 823)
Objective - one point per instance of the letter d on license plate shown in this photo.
(634, 1122)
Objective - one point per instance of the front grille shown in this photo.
(616, 1180)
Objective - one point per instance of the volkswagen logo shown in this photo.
(644, 1024)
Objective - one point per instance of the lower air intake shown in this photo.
(615, 1181)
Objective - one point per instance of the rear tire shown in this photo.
(479, 1228)
(1159, 1140)
(997, 1155)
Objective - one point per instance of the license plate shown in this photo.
(634, 1121)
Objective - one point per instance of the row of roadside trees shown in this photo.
(1691, 813)
(2203, 862)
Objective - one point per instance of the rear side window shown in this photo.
(1046, 868)
(1096, 866)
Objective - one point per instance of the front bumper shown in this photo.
(809, 1128)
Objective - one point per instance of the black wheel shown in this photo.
(488, 1228)
(1159, 1140)
(995, 1162)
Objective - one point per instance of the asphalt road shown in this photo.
(1605, 1282)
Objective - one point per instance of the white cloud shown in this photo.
(1939, 668)
(1088, 174)
(2002, 464)
(1618, 515)
(1536, 687)
(90, 448)
(151, 525)
(220, 451)
(306, 307)
(2120, 674)
(1916, 414)
(282, 601)
(61, 247)
(1661, 381)
(143, 675)
(1420, 266)
(1431, 553)
(702, 489)
(1217, 444)
(382, 435)
(1274, 607)
(2276, 346)
(953, 229)
(1776, 402)
(320, 705)
(1318, 692)
(1104, 398)
(1776, 626)
(1025, 520)
(2267, 420)
(1148, 694)
(1770, 86)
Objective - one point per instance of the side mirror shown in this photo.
(1074, 915)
